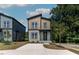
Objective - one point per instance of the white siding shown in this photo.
(9, 34)
(3, 18)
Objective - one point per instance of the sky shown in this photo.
(23, 11)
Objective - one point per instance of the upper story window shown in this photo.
(6, 24)
(45, 25)
(34, 25)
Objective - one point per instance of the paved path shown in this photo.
(36, 49)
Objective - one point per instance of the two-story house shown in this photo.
(39, 29)
(11, 29)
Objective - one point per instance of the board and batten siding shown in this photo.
(42, 24)
(40, 29)
(37, 19)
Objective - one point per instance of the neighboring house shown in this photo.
(39, 29)
(11, 29)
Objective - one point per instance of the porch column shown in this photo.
(41, 36)
(48, 36)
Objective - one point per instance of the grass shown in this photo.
(13, 45)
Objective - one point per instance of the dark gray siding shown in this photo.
(18, 31)
(0, 21)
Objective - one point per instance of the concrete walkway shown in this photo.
(35, 49)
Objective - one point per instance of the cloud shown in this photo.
(21, 5)
(38, 11)
(3, 6)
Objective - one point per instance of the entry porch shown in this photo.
(45, 36)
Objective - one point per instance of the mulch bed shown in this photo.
(53, 46)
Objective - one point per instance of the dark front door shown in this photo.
(44, 36)
(0, 34)
(17, 35)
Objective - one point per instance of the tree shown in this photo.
(58, 31)
(65, 21)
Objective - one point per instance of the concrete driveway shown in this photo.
(35, 49)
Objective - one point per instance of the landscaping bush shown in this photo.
(76, 40)
(2, 40)
(7, 42)
(71, 40)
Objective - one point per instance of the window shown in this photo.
(5, 34)
(34, 35)
(4, 24)
(45, 25)
(34, 25)
(8, 24)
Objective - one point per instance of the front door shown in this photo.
(45, 36)
(17, 35)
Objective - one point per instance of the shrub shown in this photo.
(76, 40)
(7, 42)
(2, 40)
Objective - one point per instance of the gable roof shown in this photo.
(40, 15)
(45, 18)
(6, 15)
(11, 18)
